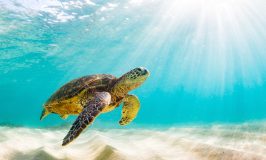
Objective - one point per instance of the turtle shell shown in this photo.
(99, 82)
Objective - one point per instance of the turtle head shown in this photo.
(134, 78)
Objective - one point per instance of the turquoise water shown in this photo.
(207, 59)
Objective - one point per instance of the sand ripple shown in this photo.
(216, 142)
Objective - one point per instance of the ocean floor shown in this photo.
(212, 142)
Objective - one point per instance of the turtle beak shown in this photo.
(146, 72)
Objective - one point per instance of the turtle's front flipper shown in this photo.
(88, 114)
(130, 109)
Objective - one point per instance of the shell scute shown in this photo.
(72, 89)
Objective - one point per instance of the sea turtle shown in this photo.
(91, 95)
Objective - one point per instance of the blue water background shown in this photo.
(203, 70)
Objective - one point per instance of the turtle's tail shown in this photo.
(44, 113)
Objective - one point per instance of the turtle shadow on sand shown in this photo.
(38, 154)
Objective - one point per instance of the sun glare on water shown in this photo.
(208, 46)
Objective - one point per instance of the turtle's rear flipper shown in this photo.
(88, 114)
(44, 113)
(64, 116)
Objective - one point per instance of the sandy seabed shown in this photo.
(213, 142)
